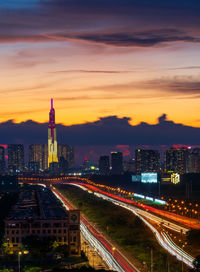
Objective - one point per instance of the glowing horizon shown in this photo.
(95, 65)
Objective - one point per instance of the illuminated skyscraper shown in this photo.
(52, 143)
(36, 154)
(193, 161)
(147, 160)
(15, 158)
(175, 160)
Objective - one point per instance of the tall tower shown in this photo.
(52, 143)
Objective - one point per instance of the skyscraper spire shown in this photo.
(51, 103)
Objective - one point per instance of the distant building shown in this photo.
(34, 167)
(129, 166)
(54, 168)
(193, 160)
(116, 163)
(36, 155)
(15, 158)
(63, 165)
(39, 213)
(104, 165)
(2, 160)
(147, 160)
(67, 152)
(175, 160)
(45, 157)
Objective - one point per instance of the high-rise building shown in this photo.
(15, 158)
(129, 166)
(193, 160)
(175, 160)
(34, 167)
(2, 160)
(116, 163)
(147, 160)
(45, 157)
(63, 165)
(36, 154)
(104, 165)
(67, 152)
(52, 142)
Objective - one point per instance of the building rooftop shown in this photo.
(36, 202)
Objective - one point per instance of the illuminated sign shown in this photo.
(175, 178)
(160, 201)
(166, 179)
(149, 198)
(149, 177)
(136, 178)
(140, 196)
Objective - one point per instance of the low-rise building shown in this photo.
(39, 213)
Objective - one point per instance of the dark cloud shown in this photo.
(184, 85)
(127, 22)
(135, 39)
(110, 130)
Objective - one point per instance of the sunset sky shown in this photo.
(132, 58)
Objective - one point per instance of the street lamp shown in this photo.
(19, 257)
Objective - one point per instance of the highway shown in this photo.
(163, 238)
(113, 258)
(188, 222)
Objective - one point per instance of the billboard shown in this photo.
(175, 178)
(136, 178)
(149, 177)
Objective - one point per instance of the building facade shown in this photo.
(104, 165)
(175, 160)
(147, 160)
(117, 163)
(45, 157)
(66, 152)
(193, 161)
(36, 155)
(38, 213)
(15, 158)
(2, 160)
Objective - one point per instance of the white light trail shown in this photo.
(163, 239)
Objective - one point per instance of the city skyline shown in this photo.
(100, 58)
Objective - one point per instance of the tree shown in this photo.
(196, 263)
(193, 237)
(32, 269)
(5, 248)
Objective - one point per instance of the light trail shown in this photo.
(163, 239)
(113, 258)
(152, 217)
(188, 222)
